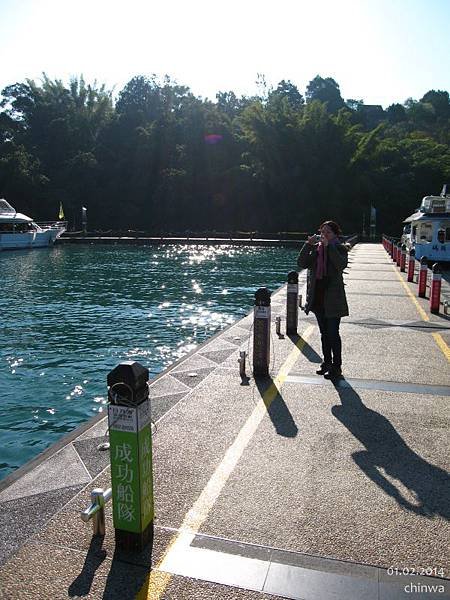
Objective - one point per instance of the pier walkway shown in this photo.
(290, 486)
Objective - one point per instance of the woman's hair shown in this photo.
(333, 226)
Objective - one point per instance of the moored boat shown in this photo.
(427, 231)
(19, 231)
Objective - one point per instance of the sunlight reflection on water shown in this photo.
(71, 314)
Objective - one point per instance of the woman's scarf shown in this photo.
(321, 266)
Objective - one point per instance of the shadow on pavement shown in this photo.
(277, 410)
(307, 350)
(81, 586)
(128, 573)
(125, 579)
(387, 451)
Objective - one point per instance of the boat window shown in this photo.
(426, 232)
(414, 232)
(21, 227)
(447, 234)
(6, 227)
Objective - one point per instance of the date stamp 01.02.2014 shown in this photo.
(421, 586)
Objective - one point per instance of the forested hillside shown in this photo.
(162, 160)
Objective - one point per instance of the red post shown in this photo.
(411, 260)
(435, 292)
(399, 254)
(394, 252)
(403, 258)
(423, 277)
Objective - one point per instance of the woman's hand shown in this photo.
(312, 240)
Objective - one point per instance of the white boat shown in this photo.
(427, 231)
(19, 231)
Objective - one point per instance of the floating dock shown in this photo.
(289, 486)
(156, 241)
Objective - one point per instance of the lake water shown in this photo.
(70, 314)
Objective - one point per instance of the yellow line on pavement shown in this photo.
(422, 313)
(437, 336)
(442, 345)
(158, 580)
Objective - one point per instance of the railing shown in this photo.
(52, 224)
(352, 239)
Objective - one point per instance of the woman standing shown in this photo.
(326, 257)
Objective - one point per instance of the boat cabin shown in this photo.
(428, 229)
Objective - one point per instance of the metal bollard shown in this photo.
(130, 436)
(445, 307)
(435, 291)
(411, 261)
(96, 511)
(241, 361)
(278, 326)
(423, 277)
(261, 333)
(394, 252)
(300, 301)
(403, 258)
(292, 303)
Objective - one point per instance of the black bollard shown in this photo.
(292, 303)
(130, 436)
(261, 333)
(403, 258)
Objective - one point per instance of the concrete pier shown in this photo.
(290, 486)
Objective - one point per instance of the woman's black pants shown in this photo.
(331, 340)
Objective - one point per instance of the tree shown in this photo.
(396, 113)
(440, 102)
(289, 92)
(327, 91)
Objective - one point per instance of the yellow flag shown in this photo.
(61, 212)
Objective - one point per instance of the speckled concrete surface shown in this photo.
(358, 475)
(358, 482)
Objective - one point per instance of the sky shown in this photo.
(379, 51)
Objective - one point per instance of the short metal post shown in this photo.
(278, 325)
(96, 511)
(445, 307)
(98, 520)
(292, 303)
(435, 291)
(423, 277)
(300, 300)
(241, 361)
(261, 333)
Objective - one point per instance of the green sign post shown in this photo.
(130, 438)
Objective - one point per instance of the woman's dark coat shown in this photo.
(335, 302)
